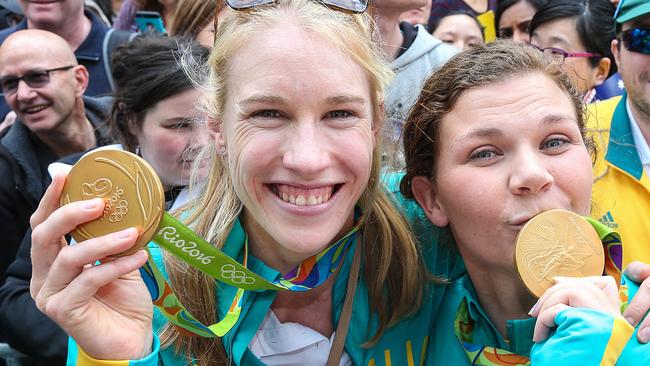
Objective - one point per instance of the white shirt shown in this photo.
(291, 344)
(639, 141)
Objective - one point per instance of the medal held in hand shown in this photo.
(557, 243)
(132, 192)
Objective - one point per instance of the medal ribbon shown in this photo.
(480, 355)
(182, 242)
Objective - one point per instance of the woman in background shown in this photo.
(460, 29)
(578, 35)
(513, 18)
(195, 19)
(482, 10)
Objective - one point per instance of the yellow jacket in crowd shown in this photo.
(621, 192)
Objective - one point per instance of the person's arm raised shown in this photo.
(105, 308)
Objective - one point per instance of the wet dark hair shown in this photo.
(146, 71)
(595, 24)
(503, 5)
(476, 67)
(434, 24)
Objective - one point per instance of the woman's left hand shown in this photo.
(598, 293)
(640, 304)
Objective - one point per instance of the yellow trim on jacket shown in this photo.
(621, 191)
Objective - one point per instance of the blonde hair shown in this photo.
(394, 273)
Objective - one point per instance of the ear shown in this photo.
(424, 192)
(82, 78)
(214, 126)
(616, 51)
(602, 70)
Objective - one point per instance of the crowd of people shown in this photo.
(372, 162)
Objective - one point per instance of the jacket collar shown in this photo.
(621, 151)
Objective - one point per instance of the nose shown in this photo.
(520, 36)
(24, 91)
(529, 175)
(307, 151)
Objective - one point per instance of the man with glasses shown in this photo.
(44, 85)
(91, 40)
(621, 127)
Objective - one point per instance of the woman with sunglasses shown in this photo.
(295, 110)
(504, 119)
(577, 34)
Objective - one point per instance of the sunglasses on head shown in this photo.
(636, 40)
(35, 79)
(352, 6)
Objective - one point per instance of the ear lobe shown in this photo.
(424, 192)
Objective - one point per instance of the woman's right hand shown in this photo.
(106, 308)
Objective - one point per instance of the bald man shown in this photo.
(91, 40)
(43, 84)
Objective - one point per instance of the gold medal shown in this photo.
(557, 243)
(131, 189)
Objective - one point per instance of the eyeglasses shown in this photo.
(636, 40)
(35, 79)
(559, 54)
(352, 6)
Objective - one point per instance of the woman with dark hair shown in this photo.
(513, 18)
(496, 138)
(482, 10)
(459, 28)
(126, 17)
(578, 34)
(155, 109)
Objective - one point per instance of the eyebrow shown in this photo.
(266, 99)
(480, 132)
(557, 119)
(492, 132)
(273, 99)
(341, 99)
(559, 39)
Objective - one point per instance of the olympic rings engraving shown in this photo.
(228, 271)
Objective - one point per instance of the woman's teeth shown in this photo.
(304, 197)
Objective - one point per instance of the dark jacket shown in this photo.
(23, 183)
(89, 54)
(23, 168)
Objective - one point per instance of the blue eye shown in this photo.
(555, 143)
(483, 155)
